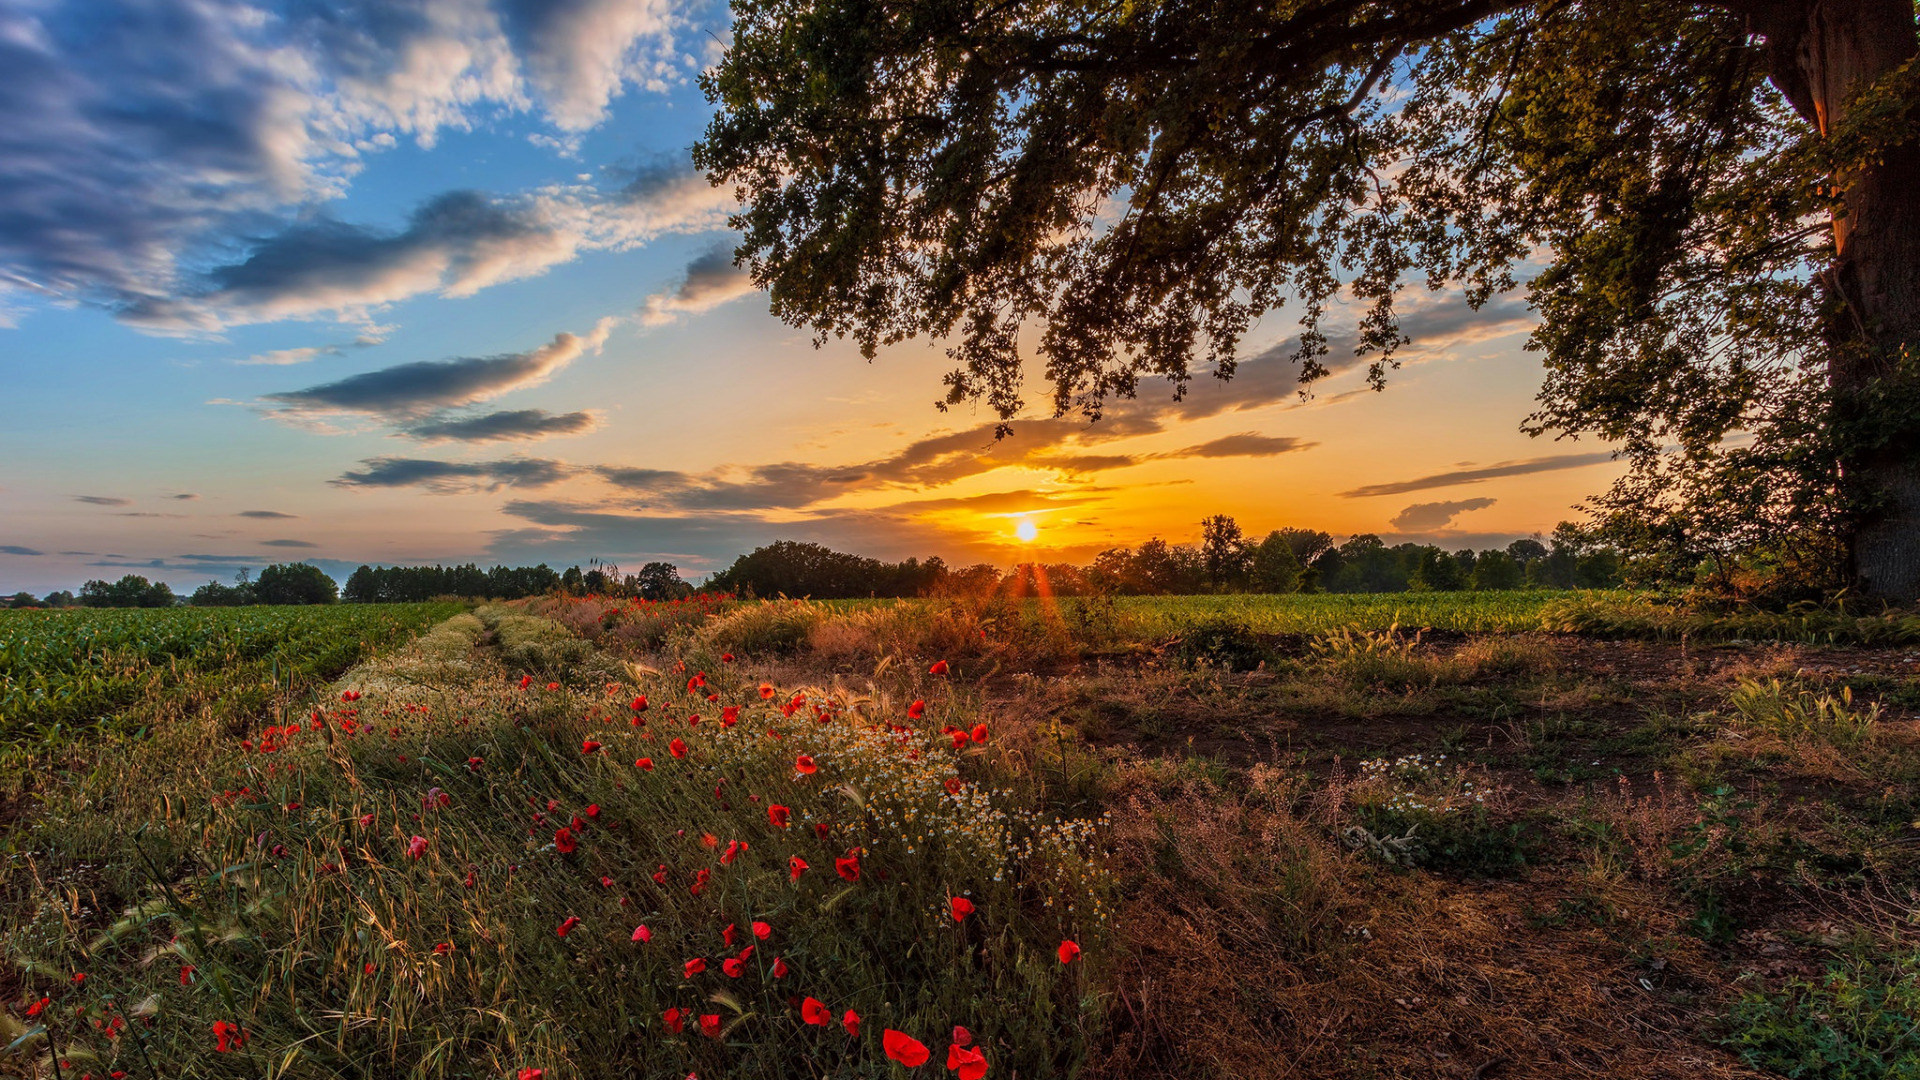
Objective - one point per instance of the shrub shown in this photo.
(1862, 1022)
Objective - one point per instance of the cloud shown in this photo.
(266, 515)
(710, 280)
(514, 425)
(284, 357)
(147, 137)
(1435, 515)
(288, 544)
(454, 477)
(16, 549)
(185, 496)
(410, 392)
(102, 500)
(1245, 444)
(1474, 476)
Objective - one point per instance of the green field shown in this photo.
(63, 672)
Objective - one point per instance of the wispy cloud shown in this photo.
(288, 357)
(266, 515)
(517, 425)
(288, 544)
(1422, 517)
(103, 500)
(1477, 475)
(16, 549)
(453, 477)
(710, 280)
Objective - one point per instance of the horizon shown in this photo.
(380, 310)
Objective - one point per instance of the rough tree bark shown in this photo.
(1822, 53)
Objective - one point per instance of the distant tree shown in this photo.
(23, 600)
(1275, 568)
(1435, 571)
(131, 590)
(1307, 545)
(156, 595)
(1526, 550)
(573, 582)
(1495, 569)
(661, 581)
(60, 599)
(1225, 555)
(295, 583)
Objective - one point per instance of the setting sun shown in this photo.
(1026, 530)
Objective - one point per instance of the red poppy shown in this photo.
(904, 1048)
(959, 739)
(606, 882)
(762, 931)
(563, 839)
(851, 1022)
(962, 907)
(416, 847)
(589, 746)
(228, 1036)
(710, 1025)
(804, 763)
(553, 686)
(441, 949)
(474, 763)
(961, 1036)
(939, 668)
(1068, 952)
(979, 733)
(709, 841)
(821, 829)
(848, 867)
(700, 879)
(468, 881)
(526, 681)
(726, 658)
(677, 748)
(952, 784)
(779, 968)
(642, 935)
(733, 967)
(730, 716)
(673, 1018)
(813, 1012)
(734, 848)
(38, 1007)
(593, 810)
(767, 691)
(694, 720)
(795, 867)
(186, 974)
(660, 876)
(533, 1074)
(699, 680)
(639, 704)
(779, 815)
(970, 1064)
(695, 966)
(644, 763)
(566, 928)
(917, 710)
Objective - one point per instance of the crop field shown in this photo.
(1200, 838)
(64, 673)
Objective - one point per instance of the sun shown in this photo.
(1026, 530)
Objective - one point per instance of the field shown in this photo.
(1410, 836)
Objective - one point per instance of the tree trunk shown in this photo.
(1822, 53)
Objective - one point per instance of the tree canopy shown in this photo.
(1731, 285)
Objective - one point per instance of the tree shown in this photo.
(1224, 553)
(1275, 567)
(60, 598)
(661, 581)
(1725, 188)
(294, 583)
(22, 600)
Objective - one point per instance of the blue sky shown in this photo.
(431, 281)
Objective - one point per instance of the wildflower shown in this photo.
(553, 686)
(762, 931)
(851, 1022)
(848, 867)
(961, 1037)
(533, 1074)
(700, 879)
(474, 763)
(779, 815)
(821, 829)
(733, 967)
(699, 680)
(734, 848)
(677, 748)
(566, 927)
(709, 841)
(641, 934)
(38, 1007)
(441, 949)
(970, 1064)
(563, 839)
(673, 1019)
(645, 763)
(730, 716)
(593, 810)
(660, 875)
(727, 935)
(1068, 952)
(468, 881)
(962, 907)
(952, 784)
(795, 867)
(779, 967)
(695, 966)
(186, 974)
(813, 1012)
(589, 746)
(526, 681)
(228, 1036)
(939, 668)
(710, 1025)
(902, 1047)
(639, 704)
(917, 710)
(726, 658)
(767, 691)
(416, 847)
(804, 764)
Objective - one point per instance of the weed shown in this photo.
(1861, 1022)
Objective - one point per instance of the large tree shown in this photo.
(1724, 192)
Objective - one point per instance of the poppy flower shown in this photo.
(639, 704)
(228, 1036)
(700, 879)
(660, 876)
(474, 763)
(821, 829)
(642, 935)
(779, 815)
(962, 907)
(970, 1064)
(726, 658)
(710, 1025)
(848, 867)
(959, 739)
(730, 716)
(917, 710)
(674, 1019)
(589, 746)
(952, 784)
(709, 841)
(813, 1012)
(767, 691)
(38, 1007)
(533, 1074)
(779, 967)
(727, 935)
(186, 974)
(734, 848)
(961, 1037)
(695, 966)
(441, 949)
(694, 720)
(699, 680)
(645, 763)
(416, 847)
(795, 867)
(553, 686)
(526, 681)
(851, 1022)
(606, 882)
(904, 1048)
(677, 748)
(1068, 952)
(939, 668)
(468, 881)
(566, 928)
(563, 839)
(593, 810)
(979, 733)
(733, 967)
(762, 931)
(804, 763)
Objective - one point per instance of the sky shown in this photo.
(367, 281)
